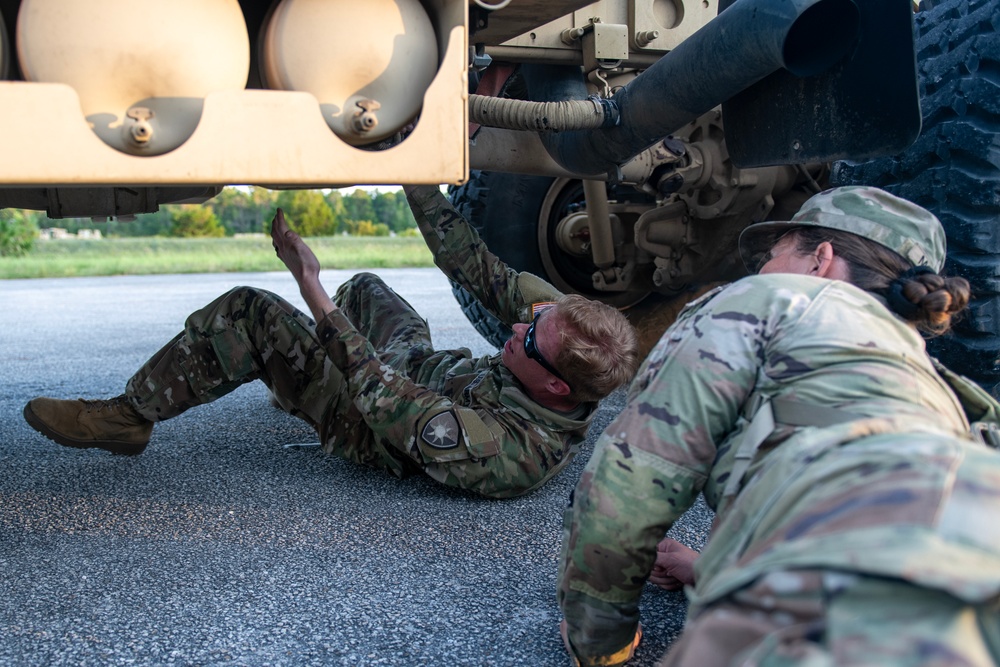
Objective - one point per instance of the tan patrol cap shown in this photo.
(869, 212)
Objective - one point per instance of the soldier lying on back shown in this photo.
(856, 513)
(367, 378)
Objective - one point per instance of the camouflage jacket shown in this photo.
(915, 507)
(468, 421)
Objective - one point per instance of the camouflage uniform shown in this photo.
(367, 378)
(825, 522)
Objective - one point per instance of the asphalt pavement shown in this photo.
(221, 546)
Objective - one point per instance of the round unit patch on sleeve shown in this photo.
(441, 432)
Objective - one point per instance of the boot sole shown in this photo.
(113, 446)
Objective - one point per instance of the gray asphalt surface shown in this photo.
(220, 546)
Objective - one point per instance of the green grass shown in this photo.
(148, 255)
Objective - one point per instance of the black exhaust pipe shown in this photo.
(742, 45)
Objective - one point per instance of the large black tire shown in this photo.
(953, 169)
(506, 210)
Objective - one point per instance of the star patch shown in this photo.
(441, 432)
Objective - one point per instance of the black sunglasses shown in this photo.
(533, 352)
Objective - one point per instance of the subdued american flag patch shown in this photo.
(539, 307)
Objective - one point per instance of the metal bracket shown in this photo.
(599, 79)
(603, 45)
(615, 278)
(479, 60)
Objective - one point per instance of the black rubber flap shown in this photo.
(864, 106)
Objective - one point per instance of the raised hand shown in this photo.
(303, 265)
(292, 251)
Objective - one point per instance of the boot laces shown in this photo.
(105, 405)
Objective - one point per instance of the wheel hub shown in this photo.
(572, 235)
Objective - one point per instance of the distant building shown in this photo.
(58, 233)
(52, 233)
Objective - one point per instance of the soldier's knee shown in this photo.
(239, 302)
(358, 284)
(244, 293)
(367, 280)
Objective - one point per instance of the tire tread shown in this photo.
(953, 169)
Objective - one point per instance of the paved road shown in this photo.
(218, 546)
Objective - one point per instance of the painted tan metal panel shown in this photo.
(261, 137)
(520, 16)
(655, 26)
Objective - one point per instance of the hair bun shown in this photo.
(898, 301)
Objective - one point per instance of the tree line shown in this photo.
(236, 211)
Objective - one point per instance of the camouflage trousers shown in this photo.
(818, 618)
(249, 334)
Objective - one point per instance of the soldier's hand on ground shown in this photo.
(674, 566)
(293, 251)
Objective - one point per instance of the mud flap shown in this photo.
(865, 106)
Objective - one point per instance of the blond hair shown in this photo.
(599, 348)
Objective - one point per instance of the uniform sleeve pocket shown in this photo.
(455, 435)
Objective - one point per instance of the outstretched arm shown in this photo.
(463, 257)
(301, 261)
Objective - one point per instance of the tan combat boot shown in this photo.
(113, 425)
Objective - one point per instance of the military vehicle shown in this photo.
(616, 148)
